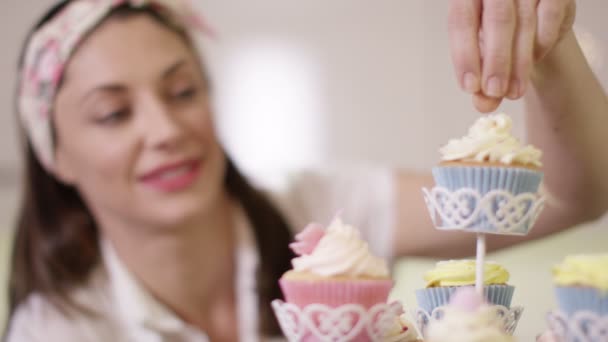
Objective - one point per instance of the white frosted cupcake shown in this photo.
(467, 319)
(490, 158)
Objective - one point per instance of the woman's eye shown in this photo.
(186, 94)
(113, 117)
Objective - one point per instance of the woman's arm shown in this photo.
(415, 234)
(567, 118)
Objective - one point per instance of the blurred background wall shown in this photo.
(308, 83)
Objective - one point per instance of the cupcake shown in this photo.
(467, 319)
(490, 158)
(335, 267)
(582, 284)
(449, 276)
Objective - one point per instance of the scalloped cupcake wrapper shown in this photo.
(431, 298)
(582, 326)
(485, 179)
(573, 299)
(335, 293)
(349, 322)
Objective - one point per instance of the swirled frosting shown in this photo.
(461, 326)
(583, 270)
(462, 272)
(490, 140)
(341, 252)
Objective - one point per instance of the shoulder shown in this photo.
(39, 318)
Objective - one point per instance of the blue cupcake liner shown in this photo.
(430, 298)
(573, 299)
(485, 179)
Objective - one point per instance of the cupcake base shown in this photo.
(509, 317)
(433, 297)
(582, 326)
(350, 322)
(515, 180)
(572, 299)
(485, 199)
(333, 293)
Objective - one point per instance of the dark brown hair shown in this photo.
(57, 239)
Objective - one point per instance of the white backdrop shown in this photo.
(309, 82)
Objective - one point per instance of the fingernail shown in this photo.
(471, 84)
(514, 91)
(495, 87)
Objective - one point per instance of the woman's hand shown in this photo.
(496, 43)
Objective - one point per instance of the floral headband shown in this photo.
(52, 45)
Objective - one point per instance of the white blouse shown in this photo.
(125, 311)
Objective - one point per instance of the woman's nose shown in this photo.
(161, 128)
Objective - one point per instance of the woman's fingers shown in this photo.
(523, 48)
(550, 17)
(498, 22)
(485, 104)
(495, 43)
(464, 24)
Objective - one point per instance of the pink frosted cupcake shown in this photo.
(335, 267)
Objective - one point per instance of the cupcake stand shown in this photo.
(496, 212)
(481, 212)
(503, 213)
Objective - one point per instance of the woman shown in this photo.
(136, 226)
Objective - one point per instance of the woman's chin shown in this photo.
(180, 210)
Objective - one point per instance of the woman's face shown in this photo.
(134, 126)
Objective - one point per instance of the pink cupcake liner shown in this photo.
(334, 293)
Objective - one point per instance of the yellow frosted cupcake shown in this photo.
(448, 276)
(582, 284)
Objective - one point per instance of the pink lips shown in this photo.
(172, 177)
